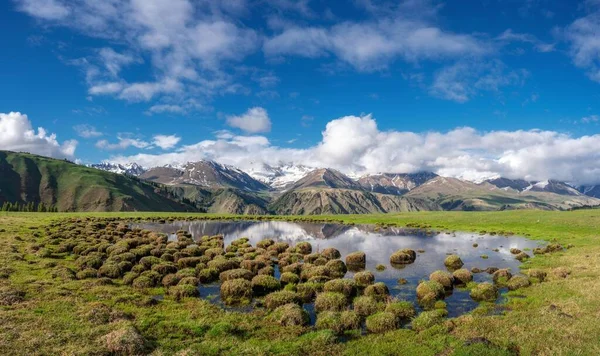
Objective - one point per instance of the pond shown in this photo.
(378, 244)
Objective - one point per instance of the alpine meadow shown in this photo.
(358, 177)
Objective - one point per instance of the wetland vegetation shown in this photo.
(99, 285)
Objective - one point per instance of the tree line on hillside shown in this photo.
(30, 207)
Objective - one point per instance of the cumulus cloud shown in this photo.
(87, 131)
(355, 144)
(17, 134)
(253, 121)
(166, 141)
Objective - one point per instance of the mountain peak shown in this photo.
(326, 178)
(394, 183)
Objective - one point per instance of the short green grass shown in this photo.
(557, 317)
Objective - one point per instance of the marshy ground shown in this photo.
(56, 297)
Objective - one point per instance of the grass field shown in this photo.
(43, 311)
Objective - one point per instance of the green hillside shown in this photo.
(71, 187)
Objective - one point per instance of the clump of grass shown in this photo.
(453, 262)
(164, 268)
(337, 268)
(338, 322)
(235, 274)
(308, 291)
(345, 286)
(428, 319)
(444, 278)
(403, 256)
(192, 281)
(295, 268)
(537, 275)
(208, 275)
(330, 301)
(381, 322)
(265, 284)
(357, 258)
(379, 291)
(181, 291)
(109, 270)
(429, 291)
(222, 264)
(304, 248)
(143, 282)
(484, 292)
(170, 280)
(314, 271)
(364, 279)
(380, 267)
(331, 253)
(269, 271)
(125, 341)
(289, 278)
(462, 276)
(402, 310)
(366, 305)
(265, 243)
(290, 315)
(501, 276)
(87, 273)
(236, 291)
(518, 282)
(522, 256)
(279, 298)
(10, 296)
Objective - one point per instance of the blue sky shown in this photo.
(159, 80)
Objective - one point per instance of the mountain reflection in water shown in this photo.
(378, 244)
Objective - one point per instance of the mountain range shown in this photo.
(208, 186)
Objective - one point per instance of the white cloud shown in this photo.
(374, 45)
(166, 142)
(165, 108)
(87, 131)
(190, 44)
(582, 36)
(590, 119)
(355, 144)
(124, 141)
(114, 61)
(466, 78)
(253, 121)
(45, 9)
(511, 36)
(17, 134)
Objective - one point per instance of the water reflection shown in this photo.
(378, 246)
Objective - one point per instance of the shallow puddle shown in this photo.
(378, 244)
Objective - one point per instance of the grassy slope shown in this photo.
(26, 177)
(557, 317)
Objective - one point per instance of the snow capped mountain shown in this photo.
(280, 177)
(133, 169)
(209, 174)
(394, 183)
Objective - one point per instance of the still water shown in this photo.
(378, 244)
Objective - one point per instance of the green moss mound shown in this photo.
(381, 322)
(290, 315)
(236, 291)
(330, 301)
(484, 292)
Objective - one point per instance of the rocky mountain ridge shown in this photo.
(290, 189)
